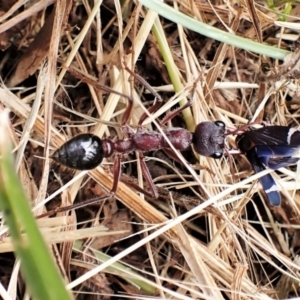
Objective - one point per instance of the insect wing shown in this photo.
(271, 147)
(270, 136)
(267, 181)
(275, 157)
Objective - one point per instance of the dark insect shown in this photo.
(86, 151)
(271, 147)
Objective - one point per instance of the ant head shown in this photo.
(209, 139)
(217, 155)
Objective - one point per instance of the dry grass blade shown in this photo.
(224, 242)
(255, 19)
(197, 266)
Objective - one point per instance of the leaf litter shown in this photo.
(214, 245)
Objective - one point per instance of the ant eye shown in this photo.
(220, 124)
(217, 155)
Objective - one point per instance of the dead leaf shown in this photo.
(37, 51)
(119, 221)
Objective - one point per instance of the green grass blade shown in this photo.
(121, 270)
(38, 267)
(231, 39)
(173, 72)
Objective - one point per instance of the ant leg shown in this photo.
(76, 206)
(241, 130)
(158, 100)
(176, 112)
(143, 82)
(84, 78)
(127, 113)
(107, 89)
(172, 154)
(147, 176)
(157, 104)
(116, 174)
(135, 187)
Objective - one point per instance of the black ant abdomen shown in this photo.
(82, 152)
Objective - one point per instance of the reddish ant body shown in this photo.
(86, 151)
